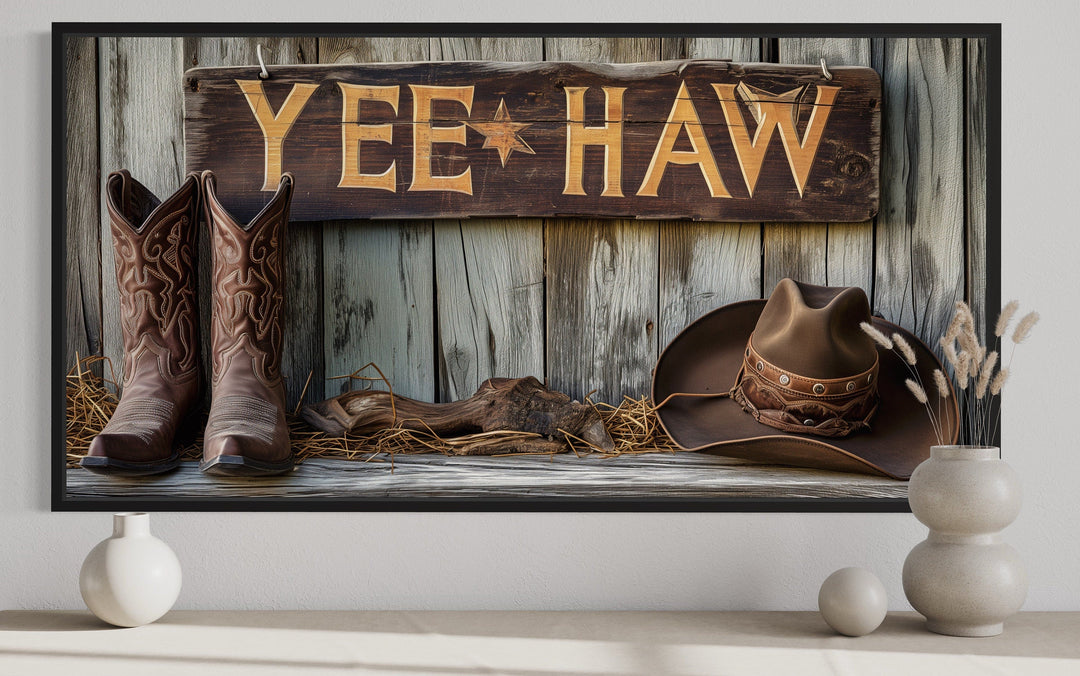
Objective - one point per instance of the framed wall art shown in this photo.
(537, 267)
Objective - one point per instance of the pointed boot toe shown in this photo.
(127, 455)
(237, 455)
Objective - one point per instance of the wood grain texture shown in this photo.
(490, 281)
(141, 126)
(489, 272)
(82, 233)
(705, 265)
(666, 475)
(601, 307)
(602, 296)
(975, 149)
(920, 229)
(835, 254)
(303, 345)
(378, 283)
(461, 175)
(378, 305)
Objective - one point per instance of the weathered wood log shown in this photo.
(501, 404)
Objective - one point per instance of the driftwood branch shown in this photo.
(499, 405)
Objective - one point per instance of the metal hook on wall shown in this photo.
(265, 74)
(825, 69)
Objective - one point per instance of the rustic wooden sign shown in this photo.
(704, 140)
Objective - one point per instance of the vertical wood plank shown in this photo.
(489, 272)
(836, 254)
(378, 275)
(735, 49)
(975, 146)
(705, 265)
(920, 228)
(82, 210)
(303, 345)
(141, 129)
(603, 278)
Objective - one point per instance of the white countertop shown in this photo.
(523, 643)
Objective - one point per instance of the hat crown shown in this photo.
(814, 332)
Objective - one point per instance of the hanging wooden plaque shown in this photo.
(701, 140)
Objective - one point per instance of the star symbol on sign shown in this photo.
(502, 133)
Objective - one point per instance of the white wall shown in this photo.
(616, 561)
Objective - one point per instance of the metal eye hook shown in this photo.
(265, 74)
(825, 69)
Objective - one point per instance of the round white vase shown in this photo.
(131, 578)
(963, 578)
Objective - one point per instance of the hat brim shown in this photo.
(706, 357)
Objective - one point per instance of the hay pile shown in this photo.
(91, 400)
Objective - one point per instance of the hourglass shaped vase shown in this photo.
(963, 578)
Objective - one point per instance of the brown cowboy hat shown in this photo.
(795, 381)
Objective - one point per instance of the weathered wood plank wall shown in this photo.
(602, 295)
(378, 278)
(919, 260)
(975, 147)
(140, 122)
(83, 256)
(833, 254)
(489, 272)
(440, 306)
(706, 265)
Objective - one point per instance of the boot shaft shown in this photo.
(248, 284)
(153, 249)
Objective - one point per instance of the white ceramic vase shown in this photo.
(131, 578)
(963, 578)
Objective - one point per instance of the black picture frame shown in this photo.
(61, 501)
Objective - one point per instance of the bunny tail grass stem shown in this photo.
(1005, 317)
(879, 337)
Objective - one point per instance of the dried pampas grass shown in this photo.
(998, 382)
(905, 349)
(985, 374)
(1005, 317)
(942, 384)
(879, 337)
(1024, 326)
(917, 390)
(974, 364)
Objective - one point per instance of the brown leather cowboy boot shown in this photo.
(153, 246)
(246, 433)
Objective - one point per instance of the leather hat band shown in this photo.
(816, 387)
(834, 407)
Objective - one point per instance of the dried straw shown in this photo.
(91, 401)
